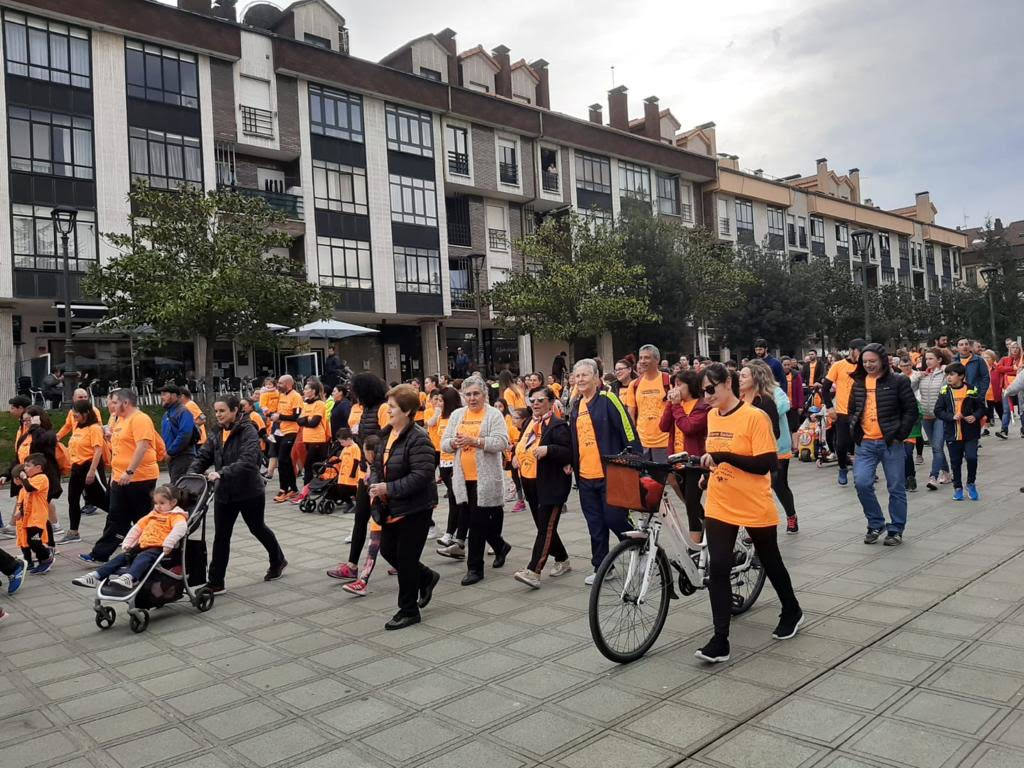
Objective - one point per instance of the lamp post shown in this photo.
(64, 217)
(988, 273)
(863, 242)
(476, 261)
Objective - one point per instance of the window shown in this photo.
(459, 279)
(776, 222)
(904, 246)
(634, 181)
(593, 173)
(744, 215)
(842, 235)
(165, 160)
(161, 74)
(598, 217)
(413, 201)
(803, 231)
(417, 270)
(409, 131)
(884, 249)
(549, 169)
(430, 74)
(47, 142)
(791, 227)
(47, 50)
(817, 229)
(475, 86)
(344, 263)
(668, 194)
(724, 224)
(36, 247)
(457, 211)
(339, 187)
(457, 139)
(508, 167)
(335, 113)
(323, 42)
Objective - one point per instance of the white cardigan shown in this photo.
(490, 473)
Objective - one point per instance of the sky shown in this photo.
(918, 95)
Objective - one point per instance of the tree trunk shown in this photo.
(204, 366)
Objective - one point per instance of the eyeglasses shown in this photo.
(710, 389)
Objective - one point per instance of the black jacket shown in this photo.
(818, 370)
(553, 484)
(894, 402)
(945, 409)
(409, 473)
(237, 461)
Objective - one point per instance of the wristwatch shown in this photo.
(129, 472)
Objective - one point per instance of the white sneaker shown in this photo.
(528, 577)
(348, 539)
(432, 533)
(91, 579)
(446, 540)
(589, 581)
(560, 569)
(125, 580)
(58, 530)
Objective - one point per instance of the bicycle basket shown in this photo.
(631, 488)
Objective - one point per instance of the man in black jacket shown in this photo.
(882, 412)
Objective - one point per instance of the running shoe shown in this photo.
(1002, 434)
(918, 459)
(791, 525)
(90, 580)
(275, 571)
(932, 484)
(945, 478)
(43, 567)
(872, 535)
(446, 540)
(344, 571)
(456, 550)
(16, 579)
(282, 497)
(972, 492)
(893, 539)
(527, 577)
(911, 484)
(560, 569)
(715, 651)
(124, 580)
(217, 589)
(298, 498)
(788, 626)
(85, 557)
(958, 494)
(843, 476)
(432, 533)
(70, 538)
(357, 588)
(520, 506)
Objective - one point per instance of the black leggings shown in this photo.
(994, 408)
(721, 542)
(35, 544)
(8, 564)
(316, 453)
(844, 441)
(780, 484)
(453, 526)
(517, 481)
(485, 524)
(225, 513)
(96, 494)
(285, 468)
(359, 525)
(688, 487)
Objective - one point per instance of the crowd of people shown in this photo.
(388, 455)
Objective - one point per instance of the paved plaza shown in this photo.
(911, 656)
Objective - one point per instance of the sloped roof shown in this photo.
(521, 64)
(479, 49)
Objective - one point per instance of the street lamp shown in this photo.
(64, 217)
(863, 242)
(987, 274)
(476, 261)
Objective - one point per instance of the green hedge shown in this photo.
(9, 429)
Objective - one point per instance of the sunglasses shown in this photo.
(709, 390)
(538, 400)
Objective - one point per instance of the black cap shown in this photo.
(857, 343)
(173, 389)
(760, 343)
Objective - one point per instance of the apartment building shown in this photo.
(406, 182)
(1011, 235)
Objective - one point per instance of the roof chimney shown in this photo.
(503, 78)
(196, 6)
(543, 90)
(447, 38)
(759, 172)
(854, 175)
(652, 118)
(595, 114)
(822, 184)
(618, 108)
(924, 208)
(224, 9)
(998, 226)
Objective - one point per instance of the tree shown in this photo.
(576, 284)
(201, 264)
(835, 305)
(1006, 284)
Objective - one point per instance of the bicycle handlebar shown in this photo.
(677, 462)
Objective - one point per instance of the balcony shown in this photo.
(818, 247)
(803, 239)
(458, 163)
(459, 233)
(462, 298)
(686, 212)
(549, 181)
(257, 122)
(508, 173)
(724, 225)
(497, 239)
(289, 205)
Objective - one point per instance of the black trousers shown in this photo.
(285, 468)
(225, 513)
(97, 494)
(453, 509)
(35, 544)
(793, 417)
(689, 488)
(545, 517)
(721, 541)
(780, 484)
(360, 523)
(177, 466)
(485, 524)
(128, 504)
(844, 440)
(401, 544)
(8, 564)
(316, 453)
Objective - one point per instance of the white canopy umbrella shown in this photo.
(329, 329)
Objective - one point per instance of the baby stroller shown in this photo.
(183, 572)
(812, 438)
(325, 493)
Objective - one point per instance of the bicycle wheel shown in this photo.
(747, 584)
(623, 628)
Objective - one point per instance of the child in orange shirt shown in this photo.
(347, 463)
(158, 532)
(32, 514)
(371, 446)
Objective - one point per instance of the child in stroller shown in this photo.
(325, 492)
(158, 532)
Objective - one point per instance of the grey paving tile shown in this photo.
(279, 676)
(384, 670)
(355, 716)
(235, 721)
(662, 725)
(50, 746)
(855, 691)
(773, 671)
(735, 698)
(1010, 731)
(411, 737)
(205, 699)
(479, 709)
(910, 744)
(542, 733)
(543, 682)
(283, 743)
(153, 748)
(754, 748)
(117, 727)
(891, 665)
(922, 644)
(316, 693)
(616, 751)
(990, 756)
(949, 713)
(979, 683)
(603, 702)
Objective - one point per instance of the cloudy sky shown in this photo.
(919, 95)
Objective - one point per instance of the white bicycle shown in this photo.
(629, 599)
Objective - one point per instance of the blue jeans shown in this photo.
(958, 451)
(1006, 410)
(138, 566)
(934, 429)
(600, 518)
(871, 453)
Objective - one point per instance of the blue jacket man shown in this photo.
(178, 430)
(761, 351)
(977, 369)
(598, 426)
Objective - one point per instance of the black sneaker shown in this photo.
(872, 535)
(912, 484)
(275, 571)
(500, 555)
(787, 627)
(715, 651)
(893, 539)
(1001, 434)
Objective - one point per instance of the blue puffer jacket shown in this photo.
(784, 445)
(978, 375)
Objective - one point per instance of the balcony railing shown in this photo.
(508, 173)
(459, 233)
(257, 122)
(497, 239)
(818, 247)
(549, 180)
(686, 212)
(803, 238)
(458, 163)
(791, 229)
(289, 205)
(724, 225)
(462, 298)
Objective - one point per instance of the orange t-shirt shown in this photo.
(556, 388)
(529, 440)
(959, 396)
(35, 508)
(688, 407)
(869, 423)
(472, 421)
(71, 424)
(382, 415)
(256, 419)
(650, 402)
(447, 459)
(627, 397)
(196, 412)
(348, 467)
(84, 441)
(734, 496)
(841, 374)
(421, 414)
(156, 526)
(24, 448)
(513, 399)
(269, 400)
(287, 405)
(590, 455)
(434, 432)
(317, 434)
(126, 436)
(354, 415)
